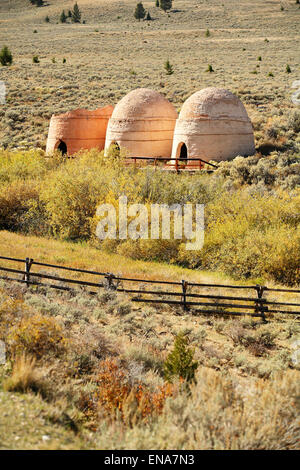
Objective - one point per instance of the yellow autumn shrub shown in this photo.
(37, 335)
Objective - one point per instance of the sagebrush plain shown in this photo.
(89, 372)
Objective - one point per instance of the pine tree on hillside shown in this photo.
(168, 68)
(6, 57)
(165, 4)
(38, 3)
(140, 11)
(76, 14)
(63, 17)
(179, 362)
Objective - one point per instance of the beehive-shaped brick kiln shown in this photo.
(78, 129)
(143, 123)
(213, 125)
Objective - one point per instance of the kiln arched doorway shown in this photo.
(62, 147)
(182, 152)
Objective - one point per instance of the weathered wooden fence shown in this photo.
(175, 164)
(188, 295)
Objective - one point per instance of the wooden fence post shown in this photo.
(260, 305)
(110, 278)
(184, 289)
(28, 264)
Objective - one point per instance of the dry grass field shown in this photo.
(112, 53)
(93, 372)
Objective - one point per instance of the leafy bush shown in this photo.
(223, 415)
(263, 242)
(71, 197)
(294, 121)
(116, 397)
(37, 335)
(257, 343)
(15, 201)
(252, 207)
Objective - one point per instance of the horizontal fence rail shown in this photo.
(196, 296)
(177, 164)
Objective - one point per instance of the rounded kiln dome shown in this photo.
(213, 103)
(144, 103)
(142, 123)
(213, 125)
(78, 129)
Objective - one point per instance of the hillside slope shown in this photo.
(112, 53)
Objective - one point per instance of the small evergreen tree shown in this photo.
(209, 68)
(35, 59)
(157, 3)
(180, 361)
(148, 17)
(168, 68)
(69, 14)
(76, 14)
(288, 69)
(165, 4)
(38, 3)
(6, 57)
(63, 17)
(139, 12)
(207, 33)
(47, 19)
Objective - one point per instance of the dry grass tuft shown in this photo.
(25, 376)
